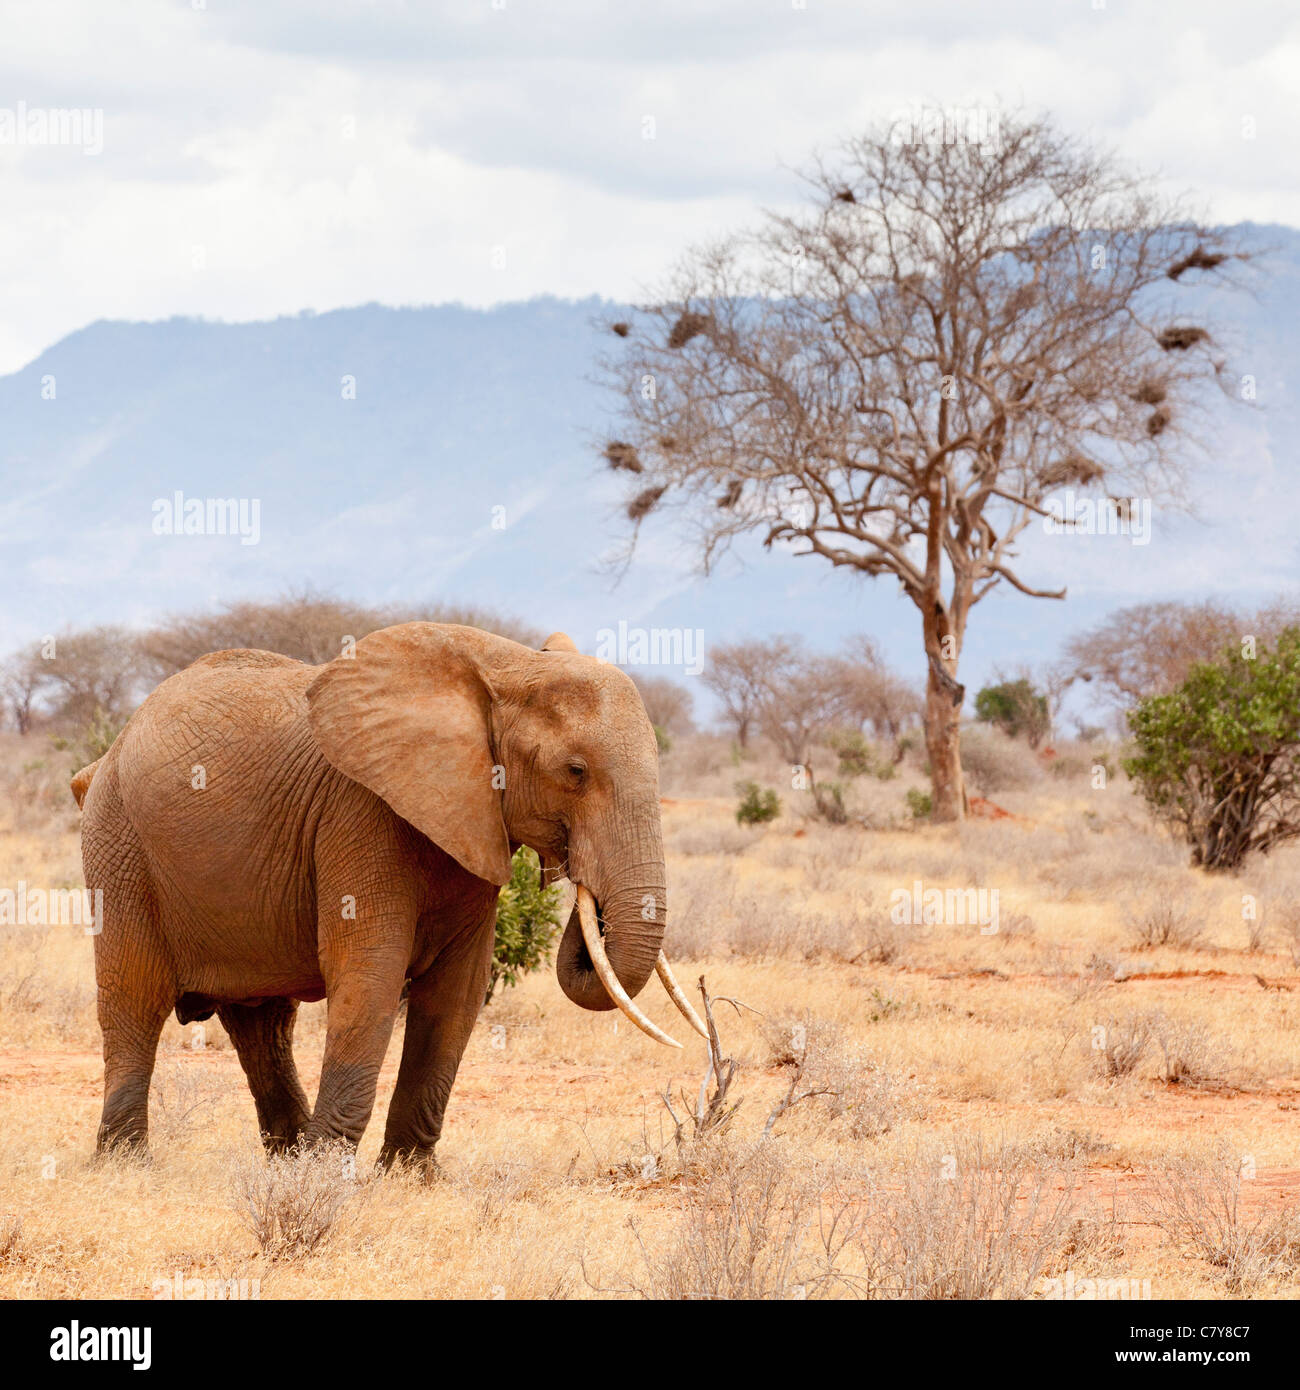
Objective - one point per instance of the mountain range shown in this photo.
(447, 453)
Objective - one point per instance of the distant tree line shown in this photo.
(78, 676)
(796, 699)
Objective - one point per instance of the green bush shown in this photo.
(858, 758)
(527, 923)
(1016, 708)
(920, 803)
(757, 804)
(828, 797)
(91, 741)
(662, 739)
(1217, 757)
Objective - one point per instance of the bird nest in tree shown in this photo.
(689, 325)
(1071, 470)
(1181, 337)
(1200, 259)
(644, 503)
(1150, 393)
(624, 456)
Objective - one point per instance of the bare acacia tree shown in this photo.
(667, 704)
(92, 669)
(874, 696)
(802, 703)
(21, 682)
(739, 674)
(1148, 648)
(899, 376)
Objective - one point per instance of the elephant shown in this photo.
(268, 833)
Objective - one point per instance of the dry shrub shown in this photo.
(34, 784)
(710, 918)
(713, 839)
(494, 1186)
(1191, 1056)
(1017, 926)
(1122, 1044)
(11, 1235)
(1095, 1241)
(994, 762)
(1198, 1202)
(760, 1228)
(291, 1202)
(836, 1076)
(972, 1223)
(886, 942)
(1285, 914)
(1069, 1144)
(184, 1094)
(1168, 921)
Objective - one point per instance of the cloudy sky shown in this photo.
(264, 156)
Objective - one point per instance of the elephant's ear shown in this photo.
(409, 718)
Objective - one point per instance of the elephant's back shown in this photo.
(223, 725)
(224, 693)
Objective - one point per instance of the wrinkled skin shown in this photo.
(267, 832)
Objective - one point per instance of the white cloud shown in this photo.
(259, 159)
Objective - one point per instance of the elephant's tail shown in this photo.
(81, 782)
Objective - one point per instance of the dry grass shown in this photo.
(1200, 1204)
(1066, 1064)
(291, 1202)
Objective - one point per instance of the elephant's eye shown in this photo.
(577, 770)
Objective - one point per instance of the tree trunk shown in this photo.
(942, 725)
(943, 701)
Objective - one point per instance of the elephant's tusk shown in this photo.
(605, 971)
(675, 994)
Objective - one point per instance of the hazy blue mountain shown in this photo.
(390, 495)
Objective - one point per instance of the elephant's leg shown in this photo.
(133, 973)
(363, 988)
(132, 1025)
(263, 1039)
(440, 1014)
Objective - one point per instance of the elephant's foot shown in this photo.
(417, 1160)
(130, 1146)
(281, 1141)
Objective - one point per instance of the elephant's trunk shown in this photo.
(630, 902)
(631, 945)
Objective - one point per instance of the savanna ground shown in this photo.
(1108, 1087)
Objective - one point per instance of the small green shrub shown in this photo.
(91, 741)
(858, 758)
(1217, 756)
(920, 803)
(527, 923)
(828, 797)
(758, 805)
(1016, 708)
